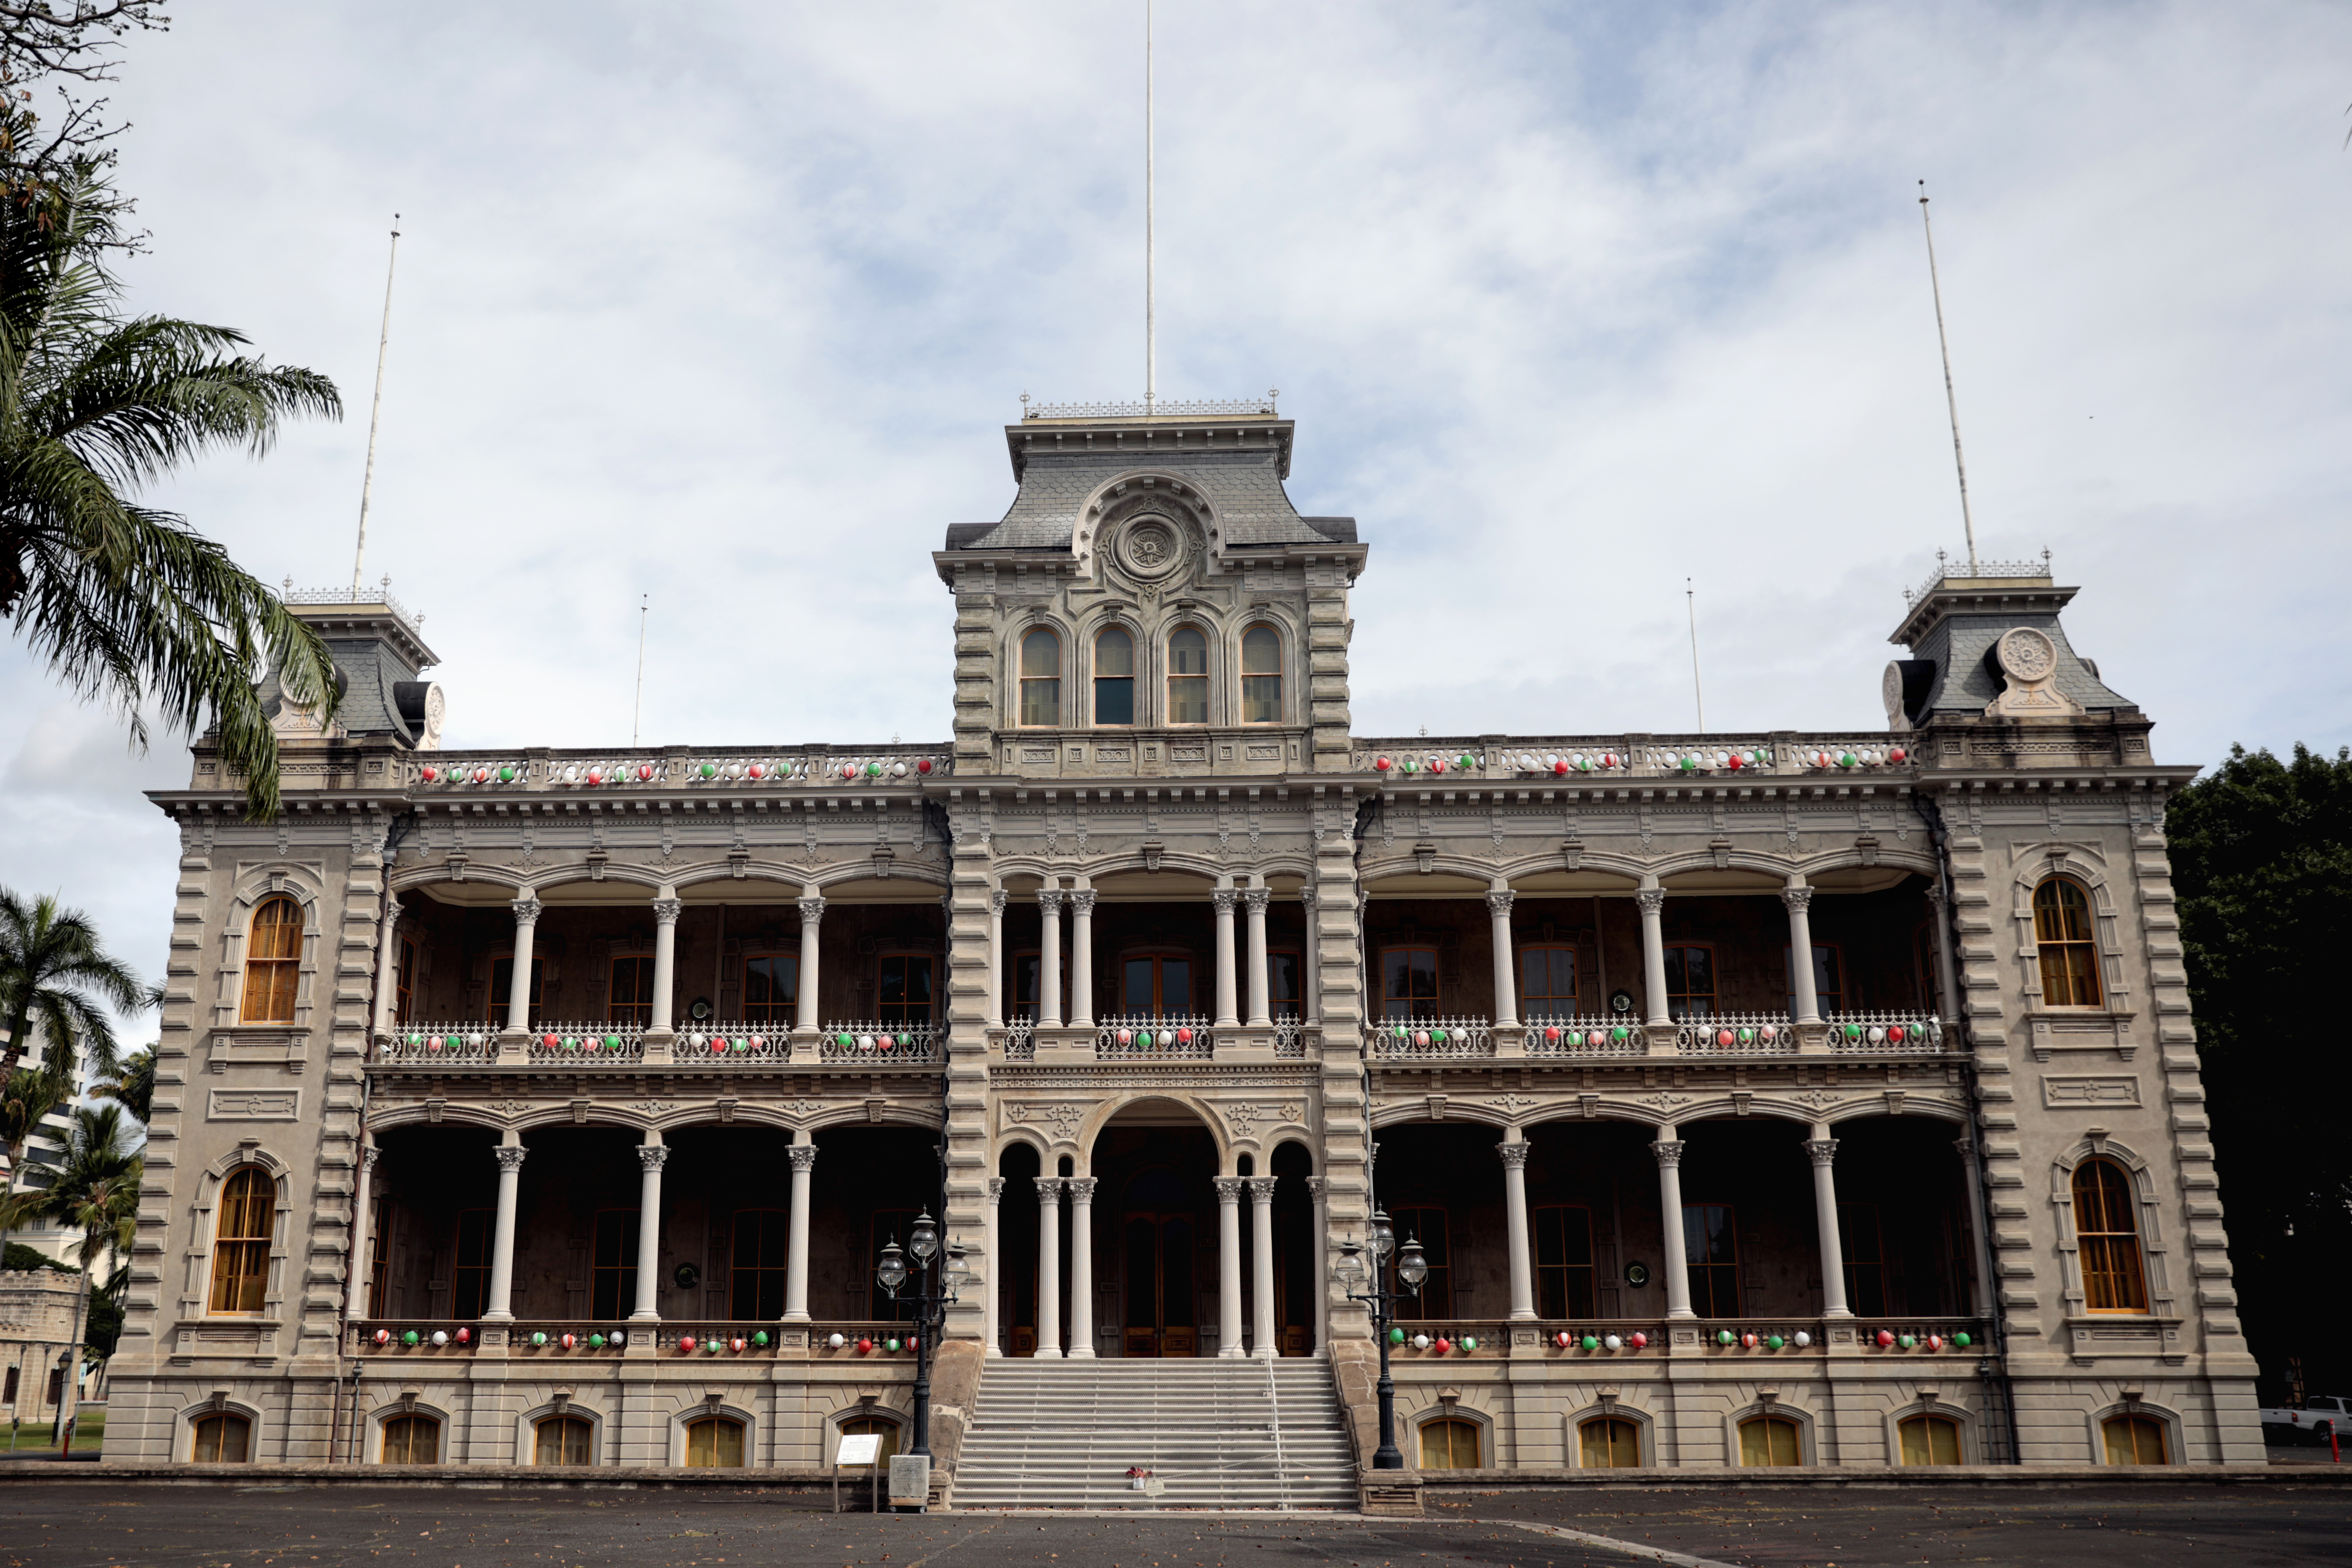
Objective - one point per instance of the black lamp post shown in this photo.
(931, 1306)
(1411, 1269)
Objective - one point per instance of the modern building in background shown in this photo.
(1757, 1099)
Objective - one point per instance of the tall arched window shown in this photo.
(1041, 678)
(246, 1225)
(2113, 1278)
(1188, 676)
(1261, 675)
(273, 960)
(2065, 937)
(1114, 678)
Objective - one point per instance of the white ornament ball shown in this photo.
(1803, 1339)
(440, 1336)
(1420, 1342)
(1613, 1342)
(836, 1342)
(616, 1338)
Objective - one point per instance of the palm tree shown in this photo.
(126, 603)
(95, 1190)
(54, 974)
(132, 1088)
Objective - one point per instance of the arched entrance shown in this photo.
(1155, 1292)
(1158, 1257)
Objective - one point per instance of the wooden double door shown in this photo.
(1157, 1253)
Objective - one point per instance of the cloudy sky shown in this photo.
(727, 304)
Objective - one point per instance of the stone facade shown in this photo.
(1150, 983)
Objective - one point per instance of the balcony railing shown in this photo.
(475, 1042)
(1582, 1036)
(1920, 1033)
(1736, 1035)
(1021, 1040)
(591, 1044)
(1621, 1339)
(1433, 1039)
(878, 1042)
(1130, 1037)
(1289, 1037)
(718, 1044)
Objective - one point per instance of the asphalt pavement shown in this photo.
(281, 1525)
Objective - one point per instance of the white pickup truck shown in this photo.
(2310, 1424)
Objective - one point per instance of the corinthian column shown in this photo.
(650, 1157)
(1229, 1266)
(387, 970)
(1652, 901)
(804, 1158)
(804, 1018)
(1082, 1265)
(1261, 1013)
(501, 1305)
(364, 1236)
(1049, 958)
(526, 925)
(996, 902)
(1049, 1268)
(1515, 1214)
(1082, 959)
(1507, 987)
(1800, 900)
(1228, 1008)
(1260, 1191)
(1676, 1264)
(667, 908)
(993, 1269)
(1822, 1148)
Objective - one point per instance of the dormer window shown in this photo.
(1115, 677)
(1188, 676)
(1261, 675)
(1041, 679)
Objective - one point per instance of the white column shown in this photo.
(1049, 958)
(667, 908)
(1822, 1148)
(1049, 1268)
(804, 1158)
(995, 1019)
(992, 1264)
(804, 1018)
(1800, 900)
(1515, 1215)
(1947, 972)
(1261, 1014)
(1228, 1008)
(501, 1308)
(1260, 1191)
(1506, 988)
(1652, 901)
(387, 969)
(1982, 1295)
(1082, 957)
(526, 926)
(650, 1156)
(1676, 1264)
(362, 1302)
(1082, 1265)
(1310, 971)
(1317, 1188)
(1229, 1266)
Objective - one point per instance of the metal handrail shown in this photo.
(464, 1042)
(1433, 1038)
(871, 1040)
(1153, 1034)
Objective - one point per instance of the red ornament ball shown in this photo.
(384, 1336)
(866, 1347)
(1885, 1338)
(1380, 765)
(567, 1341)
(922, 765)
(431, 773)
(1560, 767)
(686, 1345)
(1443, 1345)
(1637, 1340)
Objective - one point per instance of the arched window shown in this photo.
(246, 1224)
(1451, 1443)
(563, 1440)
(2062, 935)
(1041, 678)
(1609, 1442)
(886, 1429)
(1261, 675)
(1928, 1440)
(2112, 1279)
(221, 1440)
(1114, 678)
(1188, 676)
(1766, 1440)
(2135, 1440)
(714, 1442)
(273, 961)
(411, 1440)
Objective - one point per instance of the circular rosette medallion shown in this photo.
(1151, 547)
(2027, 655)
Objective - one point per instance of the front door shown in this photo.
(1160, 1294)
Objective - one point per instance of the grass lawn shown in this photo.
(90, 1430)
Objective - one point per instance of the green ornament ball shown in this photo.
(711, 1347)
(1775, 1340)
(1962, 1341)
(612, 1042)
(709, 769)
(595, 1342)
(905, 1041)
(411, 1337)
(1143, 1038)
(1907, 1341)
(1436, 1036)
(760, 1339)
(1590, 1341)
(539, 1339)
(1853, 1031)
(1465, 760)
(889, 1344)
(1724, 1337)
(1618, 1034)
(1469, 1342)
(415, 1039)
(1396, 1337)
(506, 775)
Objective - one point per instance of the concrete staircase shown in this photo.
(1215, 1434)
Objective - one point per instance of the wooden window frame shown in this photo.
(496, 995)
(1824, 1002)
(1851, 1266)
(1692, 1271)
(1095, 693)
(758, 1270)
(1768, 1420)
(1250, 678)
(1273, 997)
(2109, 1256)
(1678, 1002)
(1926, 1422)
(1567, 1270)
(1583, 1445)
(1436, 977)
(404, 979)
(276, 975)
(624, 1272)
(562, 1420)
(1454, 1426)
(1548, 1004)
(379, 1255)
(224, 1419)
(769, 1013)
(241, 1257)
(460, 1268)
(1158, 957)
(1205, 676)
(2054, 955)
(640, 1014)
(932, 1009)
(714, 1424)
(408, 1423)
(2138, 1422)
(1022, 681)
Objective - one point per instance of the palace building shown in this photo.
(1765, 1098)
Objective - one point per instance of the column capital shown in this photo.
(1667, 1152)
(1082, 1188)
(1935, 895)
(1649, 901)
(1049, 1189)
(997, 900)
(1254, 899)
(1224, 898)
(509, 1156)
(995, 1190)
(1229, 1189)
(368, 1156)
(1513, 1155)
(1966, 1145)
(1798, 898)
(1261, 1189)
(666, 911)
(803, 1156)
(651, 1155)
(1498, 904)
(1082, 901)
(392, 913)
(812, 911)
(1316, 1186)
(1050, 899)
(526, 910)
(1824, 1150)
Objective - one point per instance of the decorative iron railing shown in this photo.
(588, 1042)
(1134, 1035)
(1584, 760)
(1165, 408)
(1581, 1036)
(479, 772)
(878, 1042)
(380, 594)
(474, 1042)
(1736, 1035)
(1924, 1336)
(1021, 1040)
(1411, 1039)
(1949, 567)
(718, 1044)
(1906, 1032)
(1289, 1037)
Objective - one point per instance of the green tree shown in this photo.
(125, 603)
(93, 1190)
(2261, 862)
(56, 975)
(132, 1088)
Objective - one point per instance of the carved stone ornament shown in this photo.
(2029, 659)
(1151, 547)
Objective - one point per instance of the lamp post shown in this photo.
(1411, 1268)
(931, 1306)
